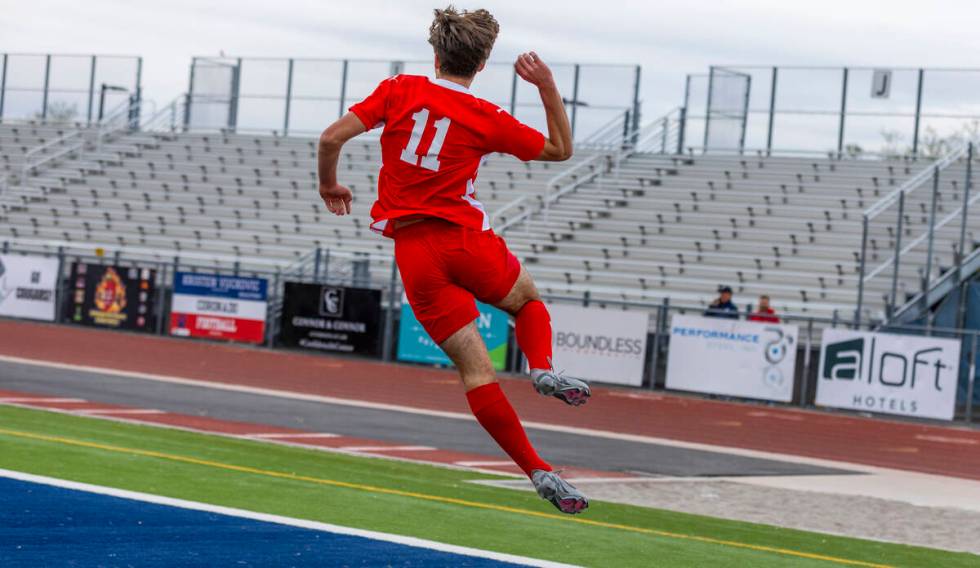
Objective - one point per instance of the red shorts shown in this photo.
(445, 266)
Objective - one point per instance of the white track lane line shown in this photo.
(264, 517)
(297, 435)
(605, 434)
(16, 399)
(388, 448)
(119, 411)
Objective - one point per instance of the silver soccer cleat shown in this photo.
(551, 487)
(575, 392)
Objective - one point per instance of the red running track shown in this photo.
(942, 450)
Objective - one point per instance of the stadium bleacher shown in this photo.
(646, 228)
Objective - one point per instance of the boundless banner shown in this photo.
(331, 318)
(112, 296)
(607, 346)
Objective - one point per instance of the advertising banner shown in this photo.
(415, 345)
(219, 307)
(607, 346)
(731, 357)
(27, 286)
(112, 296)
(909, 375)
(331, 318)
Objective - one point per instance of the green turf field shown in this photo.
(421, 501)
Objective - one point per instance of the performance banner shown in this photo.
(219, 307)
(731, 357)
(607, 346)
(112, 296)
(27, 286)
(331, 318)
(415, 345)
(910, 375)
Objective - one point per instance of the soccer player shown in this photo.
(435, 136)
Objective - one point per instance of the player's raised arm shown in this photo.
(336, 197)
(558, 145)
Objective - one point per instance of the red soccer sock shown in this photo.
(532, 327)
(494, 412)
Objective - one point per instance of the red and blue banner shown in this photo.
(219, 307)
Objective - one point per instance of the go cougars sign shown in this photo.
(896, 374)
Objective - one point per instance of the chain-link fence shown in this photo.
(66, 88)
(299, 96)
(849, 111)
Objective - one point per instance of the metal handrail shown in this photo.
(915, 181)
(899, 195)
(171, 113)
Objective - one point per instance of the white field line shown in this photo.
(388, 448)
(277, 519)
(604, 434)
(16, 399)
(120, 411)
(486, 463)
(297, 435)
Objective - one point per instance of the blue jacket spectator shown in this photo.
(722, 307)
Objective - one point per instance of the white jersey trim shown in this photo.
(450, 85)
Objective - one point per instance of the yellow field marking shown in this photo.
(435, 498)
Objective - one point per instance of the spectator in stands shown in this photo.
(722, 307)
(764, 313)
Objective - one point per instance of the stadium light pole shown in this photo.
(918, 114)
(3, 82)
(843, 114)
(47, 83)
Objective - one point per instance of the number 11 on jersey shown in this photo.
(430, 160)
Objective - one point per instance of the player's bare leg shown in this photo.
(494, 412)
(533, 330)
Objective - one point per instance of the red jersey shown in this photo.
(767, 316)
(436, 134)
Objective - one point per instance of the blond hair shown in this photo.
(462, 40)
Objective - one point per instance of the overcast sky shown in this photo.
(669, 39)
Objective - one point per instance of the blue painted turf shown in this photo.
(41, 525)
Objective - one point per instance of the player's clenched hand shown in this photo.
(337, 198)
(530, 67)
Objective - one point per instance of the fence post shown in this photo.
(961, 311)
(654, 359)
(680, 130)
(161, 274)
(918, 114)
(932, 233)
(343, 87)
(772, 110)
(971, 380)
(236, 85)
(270, 312)
(893, 301)
(636, 100)
(861, 269)
(91, 90)
(805, 383)
(59, 286)
(843, 114)
(707, 111)
(47, 83)
(575, 81)
(513, 94)
(3, 83)
(387, 347)
(289, 98)
(316, 264)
